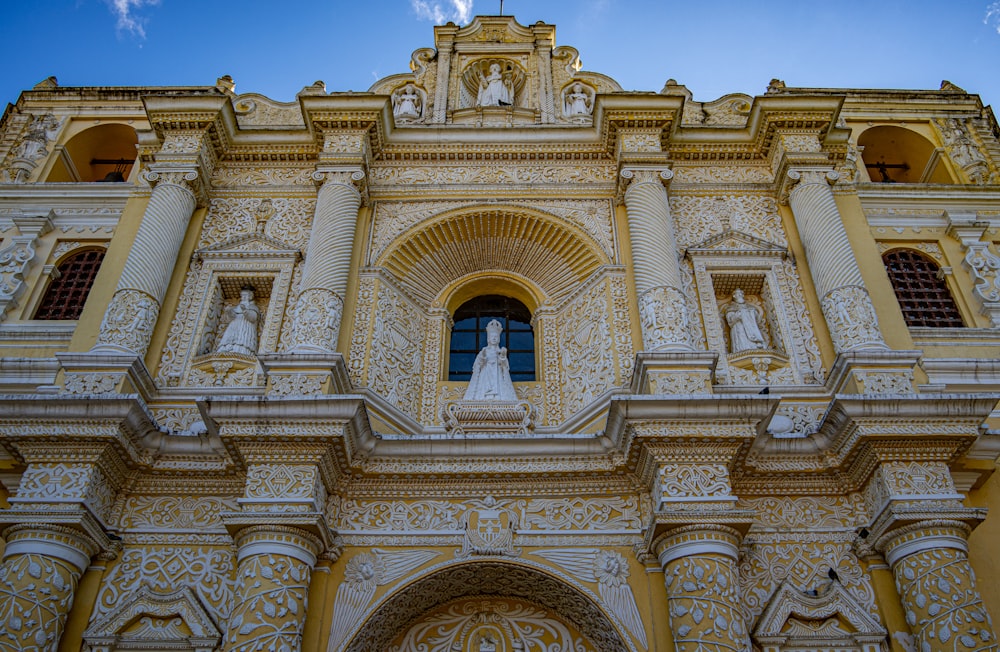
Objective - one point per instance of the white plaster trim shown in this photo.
(276, 548)
(694, 548)
(903, 550)
(55, 549)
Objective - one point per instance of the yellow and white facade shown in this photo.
(658, 486)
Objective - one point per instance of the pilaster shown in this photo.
(979, 261)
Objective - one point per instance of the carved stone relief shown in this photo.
(697, 218)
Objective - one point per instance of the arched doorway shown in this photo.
(487, 606)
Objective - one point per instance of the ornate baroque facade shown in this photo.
(749, 426)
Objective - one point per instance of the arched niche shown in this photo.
(899, 155)
(490, 580)
(551, 254)
(104, 152)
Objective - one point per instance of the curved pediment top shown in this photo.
(248, 243)
(494, 29)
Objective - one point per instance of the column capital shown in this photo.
(800, 177)
(634, 175)
(929, 534)
(700, 539)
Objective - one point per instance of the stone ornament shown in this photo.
(407, 103)
(495, 88)
(964, 150)
(362, 577)
(41, 131)
(663, 312)
(852, 318)
(240, 336)
(744, 321)
(578, 101)
(129, 321)
(316, 324)
(491, 370)
(609, 569)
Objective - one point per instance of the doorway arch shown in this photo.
(488, 580)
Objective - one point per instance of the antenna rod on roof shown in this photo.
(501, 7)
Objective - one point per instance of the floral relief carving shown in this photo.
(665, 318)
(703, 598)
(722, 174)
(229, 217)
(270, 613)
(36, 592)
(209, 571)
(885, 382)
(803, 512)
(295, 385)
(492, 174)
(508, 622)
(364, 307)
(943, 607)
(587, 362)
(316, 321)
(698, 218)
(395, 361)
(283, 481)
(693, 481)
(803, 559)
(232, 177)
(90, 383)
(176, 513)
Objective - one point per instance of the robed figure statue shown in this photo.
(491, 370)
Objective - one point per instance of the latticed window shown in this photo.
(468, 336)
(922, 294)
(66, 295)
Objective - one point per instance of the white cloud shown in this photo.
(459, 11)
(127, 20)
(993, 16)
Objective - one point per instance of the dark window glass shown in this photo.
(468, 336)
(66, 295)
(922, 295)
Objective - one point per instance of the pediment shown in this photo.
(251, 244)
(164, 617)
(500, 29)
(732, 242)
(835, 611)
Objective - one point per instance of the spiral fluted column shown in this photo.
(662, 306)
(937, 587)
(130, 317)
(699, 569)
(41, 567)
(272, 586)
(846, 304)
(320, 305)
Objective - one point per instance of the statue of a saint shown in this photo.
(494, 90)
(240, 335)
(744, 324)
(578, 101)
(406, 102)
(491, 370)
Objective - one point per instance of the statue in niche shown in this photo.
(744, 324)
(240, 335)
(406, 102)
(578, 101)
(491, 370)
(495, 89)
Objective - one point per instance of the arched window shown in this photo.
(922, 294)
(468, 336)
(67, 293)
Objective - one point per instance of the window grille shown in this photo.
(468, 336)
(922, 294)
(66, 294)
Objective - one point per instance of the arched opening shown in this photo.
(67, 292)
(898, 155)
(922, 292)
(494, 582)
(468, 336)
(102, 153)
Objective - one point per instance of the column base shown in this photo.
(873, 372)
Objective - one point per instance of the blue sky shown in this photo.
(713, 46)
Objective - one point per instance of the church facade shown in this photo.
(497, 356)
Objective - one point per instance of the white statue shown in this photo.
(578, 101)
(406, 102)
(744, 324)
(494, 89)
(487, 643)
(240, 335)
(491, 370)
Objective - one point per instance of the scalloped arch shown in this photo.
(553, 254)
